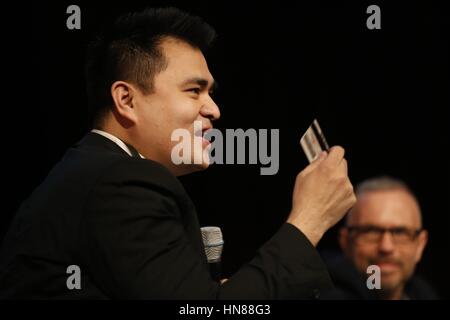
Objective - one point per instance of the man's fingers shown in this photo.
(335, 156)
(315, 163)
(344, 167)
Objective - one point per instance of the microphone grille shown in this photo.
(213, 242)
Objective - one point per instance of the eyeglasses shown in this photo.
(372, 234)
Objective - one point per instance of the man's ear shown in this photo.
(124, 97)
(422, 242)
(343, 238)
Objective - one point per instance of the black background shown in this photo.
(382, 94)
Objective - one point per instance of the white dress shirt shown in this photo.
(116, 140)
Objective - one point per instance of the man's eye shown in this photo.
(400, 231)
(194, 90)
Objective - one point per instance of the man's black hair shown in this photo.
(129, 50)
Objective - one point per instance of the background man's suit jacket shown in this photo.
(129, 225)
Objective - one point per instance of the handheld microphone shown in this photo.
(213, 243)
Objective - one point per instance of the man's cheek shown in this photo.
(364, 260)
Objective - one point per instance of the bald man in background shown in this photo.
(384, 228)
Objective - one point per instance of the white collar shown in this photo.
(116, 140)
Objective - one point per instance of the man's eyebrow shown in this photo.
(202, 82)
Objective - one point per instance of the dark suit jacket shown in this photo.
(350, 285)
(129, 225)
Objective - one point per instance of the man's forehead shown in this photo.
(182, 53)
(388, 207)
(185, 62)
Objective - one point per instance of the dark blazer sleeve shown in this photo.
(136, 246)
(286, 267)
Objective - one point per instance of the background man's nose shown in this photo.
(386, 243)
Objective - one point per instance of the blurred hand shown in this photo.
(322, 195)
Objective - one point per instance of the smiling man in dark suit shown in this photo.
(114, 207)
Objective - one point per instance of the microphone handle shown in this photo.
(215, 269)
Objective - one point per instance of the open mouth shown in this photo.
(388, 266)
(201, 134)
(206, 142)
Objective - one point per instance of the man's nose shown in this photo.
(210, 109)
(386, 243)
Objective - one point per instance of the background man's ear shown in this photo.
(123, 94)
(343, 238)
(422, 242)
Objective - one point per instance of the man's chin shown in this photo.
(203, 163)
(390, 281)
(191, 168)
(202, 166)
